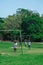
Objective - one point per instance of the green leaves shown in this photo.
(25, 20)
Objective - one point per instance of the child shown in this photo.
(29, 43)
(15, 46)
(25, 43)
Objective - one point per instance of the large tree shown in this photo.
(33, 26)
(29, 22)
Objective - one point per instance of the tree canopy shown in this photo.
(29, 22)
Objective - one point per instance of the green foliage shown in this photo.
(1, 24)
(29, 22)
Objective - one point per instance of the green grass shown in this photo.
(33, 56)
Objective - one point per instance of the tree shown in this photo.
(32, 26)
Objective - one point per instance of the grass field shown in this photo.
(33, 56)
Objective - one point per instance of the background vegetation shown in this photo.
(29, 22)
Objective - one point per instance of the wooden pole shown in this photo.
(21, 42)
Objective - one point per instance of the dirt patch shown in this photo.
(4, 53)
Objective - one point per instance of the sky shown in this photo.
(9, 7)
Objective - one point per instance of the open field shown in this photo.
(33, 56)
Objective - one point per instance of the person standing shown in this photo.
(15, 46)
(29, 43)
(25, 42)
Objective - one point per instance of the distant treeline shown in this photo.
(30, 23)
